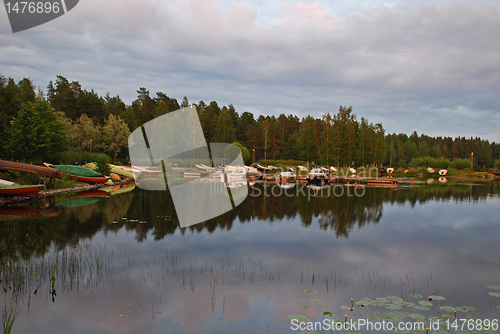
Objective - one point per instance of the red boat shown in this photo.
(102, 179)
(19, 190)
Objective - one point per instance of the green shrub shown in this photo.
(77, 158)
(102, 161)
(497, 163)
(461, 163)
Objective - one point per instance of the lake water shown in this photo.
(123, 265)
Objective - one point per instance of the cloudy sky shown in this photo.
(429, 66)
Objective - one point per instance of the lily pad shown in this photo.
(494, 287)
(383, 299)
(318, 302)
(394, 298)
(437, 297)
(422, 308)
(462, 309)
(374, 318)
(392, 306)
(417, 316)
(304, 305)
(416, 295)
(447, 308)
(447, 316)
(298, 317)
(494, 294)
(377, 303)
(363, 303)
(399, 302)
(460, 331)
(425, 303)
(434, 319)
(498, 307)
(395, 319)
(408, 304)
(311, 292)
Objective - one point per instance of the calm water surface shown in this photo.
(122, 264)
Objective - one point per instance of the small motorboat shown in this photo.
(430, 170)
(286, 177)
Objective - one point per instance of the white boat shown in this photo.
(443, 172)
(302, 168)
(390, 170)
(333, 169)
(318, 175)
(430, 170)
(352, 170)
(7, 183)
(234, 174)
(285, 177)
(252, 171)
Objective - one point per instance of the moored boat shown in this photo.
(100, 179)
(318, 176)
(430, 170)
(83, 174)
(28, 190)
(443, 172)
(286, 177)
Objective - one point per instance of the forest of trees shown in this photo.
(37, 127)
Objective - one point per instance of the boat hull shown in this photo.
(101, 179)
(20, 190)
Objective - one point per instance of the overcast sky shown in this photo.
(429, 66)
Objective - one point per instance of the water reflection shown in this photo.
(247, 269)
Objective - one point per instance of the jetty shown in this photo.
(33, 169)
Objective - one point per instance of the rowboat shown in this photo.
(122, 170)
(83, 174)
(7, 183)
(99, 179)
(29, 190)
(75, 170)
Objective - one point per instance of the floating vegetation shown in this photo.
(422, 308)
(377, 303)
(311, 292)
(498, 307)
(363, 303)
(301, 318)
(462, 309)
(437, 298)
(392, 306)
(494, 287)
(494, 294)
(318, 302)
(425, 303)
(417, 316)
(304, 305)
(416, 295)
(447, 308)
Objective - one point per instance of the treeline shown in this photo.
(35, 126)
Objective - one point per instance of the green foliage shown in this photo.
(115, 133)
(497, 163)
(77, 158)
(244, 153)
(225, 131)
(30, 137)
(66, 182)
(282, 163)
(102, 161)
(461, 163)
(428, 161)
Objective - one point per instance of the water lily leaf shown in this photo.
(469, 308)
(318, 302)
(460, 331)
(380, 314)
(327, 314)
(383, 299)
(399, 302)
(495, 294)
(409, 304)
(417, 316)
(394, 298)
(462, 309)
(392, 306)
(311, 292)
(395, 319)
(374, 318)
(437, 297)
(363, 303)
(447, 308)
(435, 319)
(304, 305)
(416, 295)
(440, 331)
(397, 314)
(298, 317)
(422, 308)
(498, 307)
(425, 303)
(377, 303)
(494, 287)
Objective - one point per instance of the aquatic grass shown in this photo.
(9, 315)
